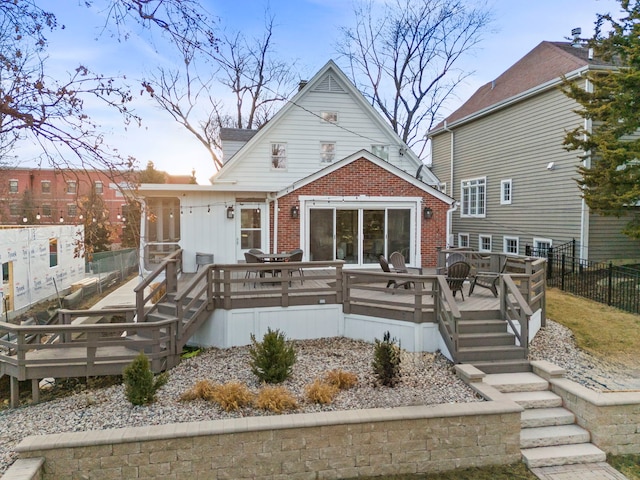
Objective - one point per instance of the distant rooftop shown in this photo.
(237, 134)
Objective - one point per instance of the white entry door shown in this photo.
(251, 232)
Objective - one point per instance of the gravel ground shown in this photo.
(427, 379)
(556, 344)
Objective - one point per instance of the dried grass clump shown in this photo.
(203, 389)
(232, 396)
(275, 399)
(321, 392)
(159, 291)
(341, 379)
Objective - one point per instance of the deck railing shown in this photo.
(515, 309)
(163, 280)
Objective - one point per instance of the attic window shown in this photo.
(381, 151)
(329, 117)
(327, 152)
(279, 155)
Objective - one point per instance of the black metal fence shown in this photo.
(617, 286)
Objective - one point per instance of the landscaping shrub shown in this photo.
(275, 399)
(341, 379)
(140, 384)
(386, 360)
(203, 389)
(321, 392)
(232, 396)
(272, 359)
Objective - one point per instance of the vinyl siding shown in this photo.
(302, 130)
(517, 143)
(441, 150)
(607, 243)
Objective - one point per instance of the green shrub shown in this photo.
(272, 359)
(140, 384)
(386, 361)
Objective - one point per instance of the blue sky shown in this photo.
(306, 31)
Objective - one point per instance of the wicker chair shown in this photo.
(457, 273)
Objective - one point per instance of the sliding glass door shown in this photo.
(359, 235)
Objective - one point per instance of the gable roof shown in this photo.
(542, 67)
(373, 159)
(330, 78)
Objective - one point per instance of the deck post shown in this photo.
(35, 390)
(226, 302)
(341, 288)
(171, 272)
(15, 392)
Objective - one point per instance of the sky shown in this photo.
(306, 31)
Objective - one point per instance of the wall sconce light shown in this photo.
(38, 215)
(295, 211)
(428, 213)
(25, 219)
(61, 217)
(230, 212)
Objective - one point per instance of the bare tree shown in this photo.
(403, 58)
(250, 70)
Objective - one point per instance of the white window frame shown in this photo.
(42, 184)
(477, 186)
(443, 187)
(72, 210)
(327, 156)
(74, 190)
(460, 237)
(381, 150)
(99, 187)
(506, 191)
(329, 116)
(482, 237)
(13, 182)
(538, 240)
(505, 241)
(280, 157)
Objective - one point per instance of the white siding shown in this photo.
(302, 130)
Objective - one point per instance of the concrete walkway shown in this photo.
(584, 471)
(120, 297)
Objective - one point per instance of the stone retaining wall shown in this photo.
(612, 418)
(341, 444)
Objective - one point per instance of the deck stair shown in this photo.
(549, 435)
(484, 341)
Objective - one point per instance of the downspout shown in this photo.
(271, 197)
(584, 209)
(453, 208)
(455, 205)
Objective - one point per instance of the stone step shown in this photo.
(562, 455)
(516, 382)
(546, 417)
(553, 436)
(540, 399)
(503, 366)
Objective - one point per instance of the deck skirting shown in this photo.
(232, 328)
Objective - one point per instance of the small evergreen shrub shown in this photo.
(341, 379)
(140, 384)
(203, 389)
(232, 396)
(272, 359)
(320, 392)
(275, 399)
(386, 360)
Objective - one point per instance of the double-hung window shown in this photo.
(327, 152)
(279, 156)
(474, 198)
(463, 240)
(99, 187)
(13, 186)
(72, 186)
(45, 186)
(506, 192)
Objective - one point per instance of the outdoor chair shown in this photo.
(385, 268)
(296, 256)
(457, 273)
(251, 258)
(488, 280)
(399, 265)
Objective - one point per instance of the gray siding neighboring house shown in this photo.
(507, 138)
